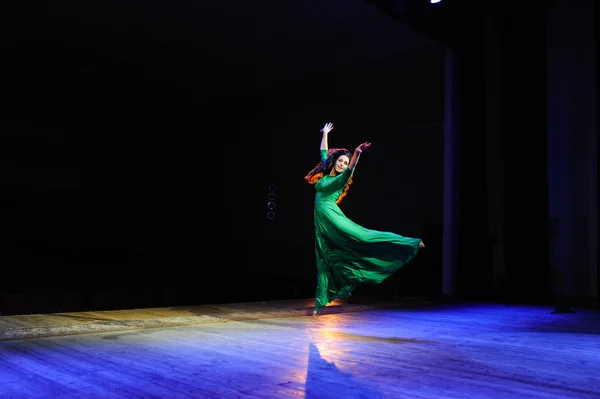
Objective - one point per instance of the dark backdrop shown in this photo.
(124, 190)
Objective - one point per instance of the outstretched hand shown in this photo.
(363, 147)
(327, 128)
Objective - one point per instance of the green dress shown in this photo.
(348, 254)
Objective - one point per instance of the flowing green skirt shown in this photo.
(348, 254)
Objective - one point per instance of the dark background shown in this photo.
(139, 143)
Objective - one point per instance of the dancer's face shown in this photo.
(341, 164)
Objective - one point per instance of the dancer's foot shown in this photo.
(421, 245)
(315, 313)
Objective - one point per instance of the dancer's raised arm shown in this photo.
(326, 129)
(356, 155)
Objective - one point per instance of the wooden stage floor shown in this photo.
(366, 349)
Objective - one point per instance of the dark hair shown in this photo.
(324, 168)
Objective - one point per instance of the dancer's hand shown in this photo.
(362, 147)
(327, 128)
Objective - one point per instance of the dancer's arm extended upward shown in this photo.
(326, 129)
(356, 155)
